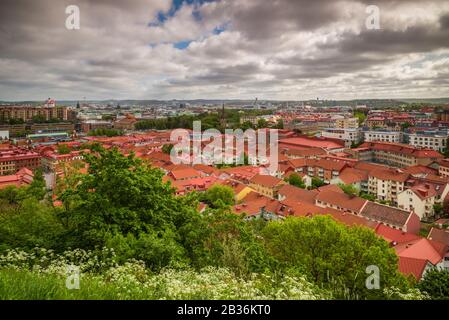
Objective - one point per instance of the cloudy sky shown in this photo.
(225, 49)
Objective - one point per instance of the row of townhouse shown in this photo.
(415, 188)
(382, 136)
(350, 136)
(395, 154)
(398, 227)
(427, 140)
(324, 169)
(435, 141)
(386, 184)
(395, 218)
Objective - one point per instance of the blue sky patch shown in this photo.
(182, 44)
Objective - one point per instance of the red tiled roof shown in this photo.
(266, 180)
(311, 142)
(422, 249)
(419, 169)
(412, 266)
(341, 200)
(385, 214)
(196, 184)
(403, 149)
(253, 203)
(306, 152)
(395, 235)
(326, 164)
(330, 187)
(185, 173)
(297, 163)
(298, 194)
(236, 186)
(390, 174)
(439, 235)
(23, 176)
(367, 166)
(206, 169)
(424, 191)
(351, 175)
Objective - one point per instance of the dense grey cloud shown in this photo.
(282, 49)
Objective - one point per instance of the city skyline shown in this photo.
(285, 50)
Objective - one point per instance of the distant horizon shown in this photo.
(230, 99)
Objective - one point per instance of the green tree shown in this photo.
(105, 132)
(31, 224)
(349, 189)
(438, 209)
(262, 123)
(37, 188)
(405, 125)
(295, 180)
(280, 124)
(361, 117)
(63, 149)
(317, 182)
(166, 148)
(122, 197)
(219, 196)
(446, 150)
(222, 238)
(333, 255)
(436, 284)
(247, 125)
(367, 196)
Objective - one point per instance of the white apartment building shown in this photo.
(431, 141)
(421, 198)
(347, 123)
(386, 184)
(383, 136)
(349, 135)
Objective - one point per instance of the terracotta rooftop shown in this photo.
(390, 174)
(326, 164)
(185, 173)
(439, 235)
(403, 149)
(424, 191)
(341, 200)
(311, 142)
(412, 266)
(385, 214)
(432, 251)
(394, 235)
(306, 152)
(298, 194)
(419, 169)
(352, 175)
(266, 180)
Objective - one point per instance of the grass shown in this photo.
(216, 284)
(26, 285)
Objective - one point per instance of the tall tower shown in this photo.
(222, 117)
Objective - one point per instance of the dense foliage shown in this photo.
(295, 180)
(436, 284)
(105, 132)
(208, 120)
